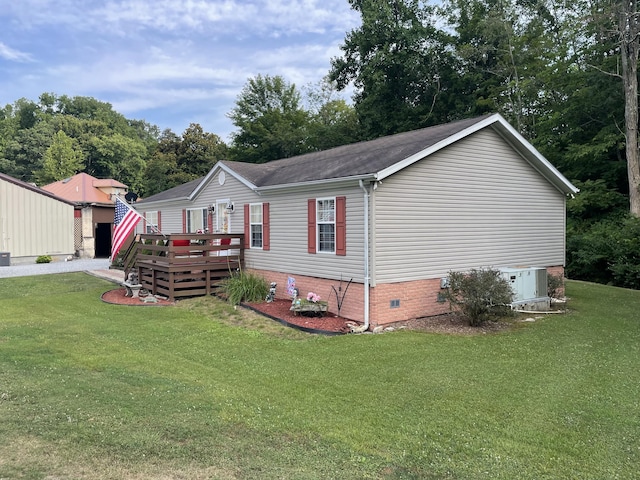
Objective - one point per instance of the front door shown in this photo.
(223, 218)
(223, 224)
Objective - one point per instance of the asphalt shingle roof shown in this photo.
(355, 160)
(348, 160)
(181, 191)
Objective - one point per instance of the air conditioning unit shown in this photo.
(528, 284)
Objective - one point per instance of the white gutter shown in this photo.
(365, 327)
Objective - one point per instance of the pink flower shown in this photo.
(312, 297)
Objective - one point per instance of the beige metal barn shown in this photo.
(33, 222)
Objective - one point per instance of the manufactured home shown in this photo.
(392, 215)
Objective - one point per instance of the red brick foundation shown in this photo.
(352, 307)
(389, 303)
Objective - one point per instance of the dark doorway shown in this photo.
(103, 240)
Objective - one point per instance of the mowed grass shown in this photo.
(90, 390)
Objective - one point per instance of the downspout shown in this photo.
(365, 327)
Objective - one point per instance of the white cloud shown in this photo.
(168, 61)
(9, 53)
(273, 18)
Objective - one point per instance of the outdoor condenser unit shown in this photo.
(527, 283)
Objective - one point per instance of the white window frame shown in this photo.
(259, 224)
(191, 228)
(151, 222)
(325, 217)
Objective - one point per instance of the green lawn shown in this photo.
(90, 390)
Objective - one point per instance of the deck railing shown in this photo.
(186, 265)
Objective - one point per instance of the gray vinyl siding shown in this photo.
(474, 204)
(288, 225)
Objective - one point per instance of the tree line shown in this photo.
(564, 74)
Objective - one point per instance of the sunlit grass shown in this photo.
(203, 390)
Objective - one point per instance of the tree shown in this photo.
(24, 152)
(332, 121)
(119, 157)
(628, 32)
(400, 65)
(198, 151)
(177, 160)
(271, 123)
(61, 160)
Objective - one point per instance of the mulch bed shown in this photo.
(117, 297)
(331, 324)
(279, 310)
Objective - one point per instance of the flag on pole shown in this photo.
(125, 220)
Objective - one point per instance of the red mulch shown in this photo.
(279, 310)
(117, 297)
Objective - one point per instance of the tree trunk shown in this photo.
(629, 31)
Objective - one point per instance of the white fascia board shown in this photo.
(382, 174)
(534, 157)
(503, 128)
(328, 181)
(219, 166)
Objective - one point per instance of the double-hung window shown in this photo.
(256, 227)
(326, 222)
(327, 225)
(151, 222)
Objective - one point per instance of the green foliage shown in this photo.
(271, 122)
(606, 252)
(177, 160)
(480, 295)
(44, 259)
(595, 202)
(245, 287)
(401, 65)
(62, 159)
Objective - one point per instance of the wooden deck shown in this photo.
(186, 265)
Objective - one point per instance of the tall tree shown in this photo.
(401, 66)
(271, 123)
(333, 122)
(177, 160)
(198, 151)
(61, 160)
(625, 14)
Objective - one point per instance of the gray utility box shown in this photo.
(526, 283)
(5, 259)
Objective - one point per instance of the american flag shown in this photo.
(125, 220)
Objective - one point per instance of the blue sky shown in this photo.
(169, 62)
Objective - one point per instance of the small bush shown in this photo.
(479, 295)
(245, 287)
(43, 259)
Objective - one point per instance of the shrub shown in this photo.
(245, 287)
(43, 259)
(606, 252)
(479, 295)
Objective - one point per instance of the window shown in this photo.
(256, 226)
(255, 222)
(326, 221)
(327, 225)
(151, 224)
(196, 220)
